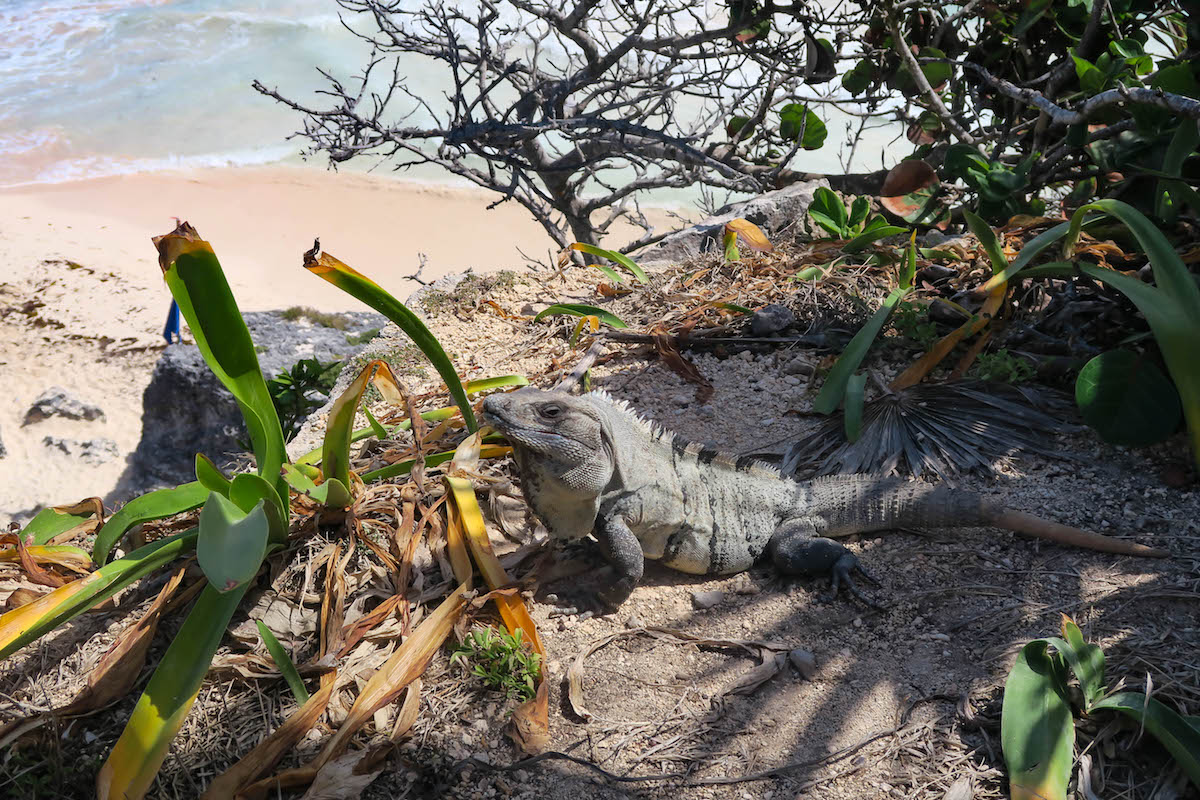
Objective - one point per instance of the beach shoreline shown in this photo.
(83, 303)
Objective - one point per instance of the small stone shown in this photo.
(704, 600)
(746, 355)
(634, 621)
(791, 380)
(804, 662)
(771, 319)
(681, 399)
(858, 623)
(743, 585)
(58, 402)
(89, 451)
(798, 366)
(768, 422)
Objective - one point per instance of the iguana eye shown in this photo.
(551, 411)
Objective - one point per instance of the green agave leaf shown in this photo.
(847, 364)
(581, 310)
(283, 662)
(1172, 307)
(29, 622)
(378, 430)
(232, 542)
(198, 285)
(612, 255)
(360, 286)
(1037, 732)
(1126, 399)
(50, 522)
(987, 237)
(1179, 735)
(158, 504)
(247, 490)
(162, 708)
(1086, 661)
(874, 234)
(210, 476)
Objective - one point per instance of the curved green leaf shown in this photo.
(198, 285)
(1037, 732)
(987, 237)
(847, 364)
(874, 234)
(27, 623)
(283, 662)
(158, 504)
(581, 310)
(1181, 738)
(232, 542)
(51, 522)
(612, 255)
(160, 711)
(210, 476)
(1126, 399)
(853, 416)
(360, 286)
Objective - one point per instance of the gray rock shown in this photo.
(58, 402)
(186, 410)
(775, 212)
(798, 366)
(89, 451)
(804, 662)
(770, 319)
(704, 600)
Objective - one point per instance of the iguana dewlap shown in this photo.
(589, 464)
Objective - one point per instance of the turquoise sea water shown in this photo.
(99, 87)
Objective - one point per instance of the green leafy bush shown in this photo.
(503, 661)
(301, 390)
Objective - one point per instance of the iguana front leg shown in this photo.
(797, 549)
(623, 552)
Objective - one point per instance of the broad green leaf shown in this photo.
(828, 212)
(874, 234)
(57, 520)
(283, 662)
(1171, 307)
(158, 504)
(987, 237)
(160, 711)
(858, 213)
(331, 492)
(618, 258)
(1086, 661)
(1029, 252)
(26, 623)
(795, 119)
(1179, 735)
(232, 542)
(847, 364)
(1091, 77)
(1037, 732)
(860, 78)
(245, 492)
(360, 286)
(210, 476)
(1127, 399)
(198, 286)
(581, 310)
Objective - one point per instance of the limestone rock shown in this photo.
(186, 410)
(58, 402)
(771, 318)
(89, 451)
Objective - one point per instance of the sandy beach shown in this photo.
(82, 301)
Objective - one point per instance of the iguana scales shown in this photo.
(589, 464)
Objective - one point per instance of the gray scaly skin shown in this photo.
(589, 464)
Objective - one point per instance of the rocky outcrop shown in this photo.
(775, 212)
(58, 402)
(89, 451)
(186, 410)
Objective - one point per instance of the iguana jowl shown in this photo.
(589, 464)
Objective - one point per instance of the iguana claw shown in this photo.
(842, 573)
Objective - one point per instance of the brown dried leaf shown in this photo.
(664, 344)
(267, 754)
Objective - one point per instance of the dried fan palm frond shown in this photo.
(946, 428)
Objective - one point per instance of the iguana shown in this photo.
(589, 464)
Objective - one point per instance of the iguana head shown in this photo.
(561, 436)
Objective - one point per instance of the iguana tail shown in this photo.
(860, 504)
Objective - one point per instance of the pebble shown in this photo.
(804, 662)
(746, 355)
(791, 380)
(770, 319)
(768, 422)
(704, 600)
(634, 621)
